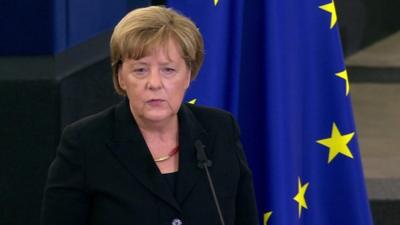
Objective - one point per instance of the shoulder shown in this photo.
(212, 118)
(95, 124)
(205, 113)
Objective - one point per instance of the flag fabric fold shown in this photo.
(278, 66)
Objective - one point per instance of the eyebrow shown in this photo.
(146, 64)
(139, 63)
(133, 64)
(167, 63)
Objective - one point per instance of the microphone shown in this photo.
(203, 163)
(202, 160)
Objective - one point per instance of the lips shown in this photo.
(155, 102)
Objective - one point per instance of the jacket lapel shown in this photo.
(130, 149)
(190, 130)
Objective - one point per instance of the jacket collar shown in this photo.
(129, 147)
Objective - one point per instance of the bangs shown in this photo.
(142, 44)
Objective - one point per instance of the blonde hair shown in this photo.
(143, 29)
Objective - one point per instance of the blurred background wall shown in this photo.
(54, 69)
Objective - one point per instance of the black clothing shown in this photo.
(104, 174)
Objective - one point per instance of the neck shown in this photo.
(161, 130)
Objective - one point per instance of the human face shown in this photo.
(156, 83)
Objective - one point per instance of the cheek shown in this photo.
(182, 85)
(187, 83)
(134, 90)
(176, 90)
(188, 79)
(125, 80)
(121, 81)
(131, 83)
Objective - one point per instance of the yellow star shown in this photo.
(299, 198)
(193, 101)
(330, 7)
(215, 2)
(343, 74)
(337, 143)
(267, 215)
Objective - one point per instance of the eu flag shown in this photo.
(278, 66)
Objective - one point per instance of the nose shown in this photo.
(154, 81)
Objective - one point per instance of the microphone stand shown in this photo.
(204, 163)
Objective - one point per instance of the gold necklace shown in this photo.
(164, 158)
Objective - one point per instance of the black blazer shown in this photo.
(103, 173)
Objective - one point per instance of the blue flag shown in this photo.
(278, 66)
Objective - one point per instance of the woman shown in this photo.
(137, 162)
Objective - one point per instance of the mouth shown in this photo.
(155, 102)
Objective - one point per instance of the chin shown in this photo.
(158, 117)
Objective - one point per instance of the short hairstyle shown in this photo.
(145, 28)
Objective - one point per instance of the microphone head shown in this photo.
(198, 145)
(201, 155)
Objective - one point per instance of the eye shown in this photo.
(168, 71)
(140, 71)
